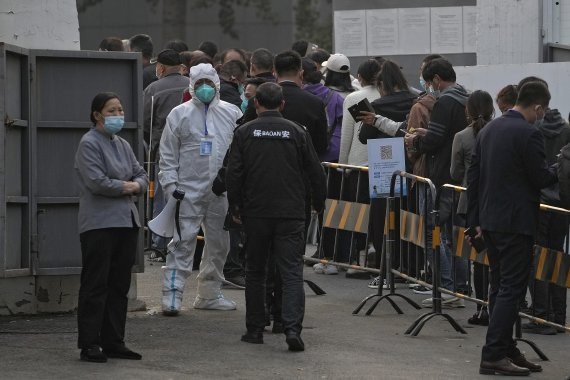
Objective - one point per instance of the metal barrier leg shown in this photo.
(386, 257)
(420, 322)
(519, 338)
(315, 288)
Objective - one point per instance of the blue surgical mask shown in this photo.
(205, 93)
(113, 124)
(241, 89)
(423, 83)
(244, 105)
(435, 93)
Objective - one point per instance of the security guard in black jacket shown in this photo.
(271, 162)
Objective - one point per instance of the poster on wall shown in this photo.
(350, 33)
(382, 24)
(447, 30)
(469, 29)
(385, 156)
(414, 31)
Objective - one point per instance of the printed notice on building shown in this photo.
(469, 29)
(382, 31)
(447, 30)
(385, 156)
(414, 31)
(350, 33)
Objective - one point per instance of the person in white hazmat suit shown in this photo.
(195, 140)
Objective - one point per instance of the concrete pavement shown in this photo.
(206, 344)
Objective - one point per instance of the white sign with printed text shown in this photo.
(385, 156)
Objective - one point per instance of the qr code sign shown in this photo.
(386, 152)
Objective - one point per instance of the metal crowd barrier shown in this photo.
(345, 220)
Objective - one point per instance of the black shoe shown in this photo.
(295, 342)
(480, 318)
(121, 352)
(252, 337)
(277, 328)
(534, 328)
(502, 367)
(521, 361)
(93, 354)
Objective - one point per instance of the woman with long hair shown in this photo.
(480, 111)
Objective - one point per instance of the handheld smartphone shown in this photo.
(476, 242)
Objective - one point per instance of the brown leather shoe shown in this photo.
(502, 367)
(521, 361)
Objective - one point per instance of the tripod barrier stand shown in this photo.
(388, 248)
(346, 213)
(437, 310)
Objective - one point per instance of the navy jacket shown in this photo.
(507, 171)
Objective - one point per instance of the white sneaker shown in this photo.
(219, 303)
(422, 290)
(455, 303)
(374, 283)
(330, 269)
(319, 268)
(445, 299)
(413, 285)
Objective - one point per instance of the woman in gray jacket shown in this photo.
(109, 176)
(479, 111)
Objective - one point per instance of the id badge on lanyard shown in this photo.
(206, 147)
(206, 142)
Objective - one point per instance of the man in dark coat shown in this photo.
(507, 172)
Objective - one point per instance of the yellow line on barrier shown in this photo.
(331, 213)
(403, 217)
(459, 250)
(459, 189)
(421, 235)
(392, 220)
(360, 218)
(473, 254)
(413, 232)
(344, 216)
(435, 238)
(556, 268)
(545, 207)
(540, 265)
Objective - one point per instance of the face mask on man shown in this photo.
(423, 83)
(205, 93)
(244, 105)
(433, 91)
(113, 124)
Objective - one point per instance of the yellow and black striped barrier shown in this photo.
(344, 215)
(552, 266)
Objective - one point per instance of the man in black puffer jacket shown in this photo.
(447, 118)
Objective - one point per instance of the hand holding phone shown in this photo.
(474, 237)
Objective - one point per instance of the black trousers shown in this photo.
(549, 300)
(286, 238)
(108, 256)
(510, 259)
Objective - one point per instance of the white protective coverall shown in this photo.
(182, 166)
